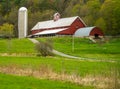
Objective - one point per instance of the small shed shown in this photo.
(89, 31)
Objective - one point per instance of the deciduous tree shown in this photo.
(6, 30)
(110, 11)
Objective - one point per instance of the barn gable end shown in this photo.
(76, 24)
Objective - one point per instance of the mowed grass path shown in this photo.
(17, 82)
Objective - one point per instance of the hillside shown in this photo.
(80, 47)
(83, 47)
(23, 46)
(100, 70)
(96, 74)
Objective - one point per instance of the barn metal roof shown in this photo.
(50, 31)
(83, 31)
(62, 22)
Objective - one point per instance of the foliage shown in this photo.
(110, 11)
(56, 5)
(40, 16)
(44, 48)
(6, 30)
(91, 11)
(101, 23)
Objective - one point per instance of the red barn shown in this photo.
(65, 26)
(62, 26)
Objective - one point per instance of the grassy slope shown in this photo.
(57, 64)
(15, 82)
(82, 48)
(85, 48)
(16, 46)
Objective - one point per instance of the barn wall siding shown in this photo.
(73, 27)
(36, 31)
(65, 32)
(96, 31)
(76, 25)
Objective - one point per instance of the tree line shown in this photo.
(102, 13)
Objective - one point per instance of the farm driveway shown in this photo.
(69, 56)
(56, 52)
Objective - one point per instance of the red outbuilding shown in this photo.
(89, 32)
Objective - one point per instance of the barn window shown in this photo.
(77, 26)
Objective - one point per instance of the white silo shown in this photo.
(22, 22)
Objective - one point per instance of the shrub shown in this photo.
(44, 48)
(6, 30)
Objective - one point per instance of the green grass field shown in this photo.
(58, 65)
(16, 46)
(83, 47)
(105, 62)
(16, 82)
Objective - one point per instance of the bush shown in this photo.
(6, 30)
(44, 48)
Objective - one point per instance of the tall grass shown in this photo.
(59, 65)
(15, 82)
(93, 73)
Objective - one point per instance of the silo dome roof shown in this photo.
(23, 9)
